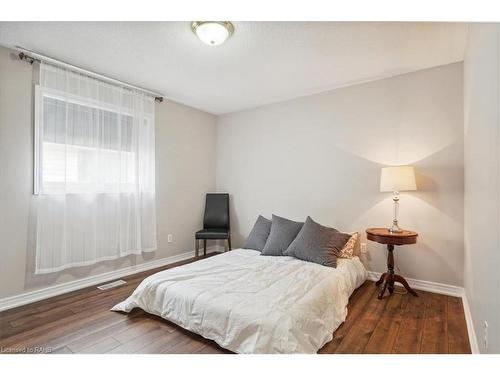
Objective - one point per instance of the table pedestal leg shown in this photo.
(389, 277)
(382, 278)
(401, 280)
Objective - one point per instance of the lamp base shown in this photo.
(395, 228)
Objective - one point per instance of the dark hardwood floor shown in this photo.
(80, 322)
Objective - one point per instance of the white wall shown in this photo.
(321, 155)
(482, 184)
(185, 170)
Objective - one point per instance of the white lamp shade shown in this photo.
(397, 179)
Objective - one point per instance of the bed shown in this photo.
(248, 303)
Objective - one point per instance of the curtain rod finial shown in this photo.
(23, 56)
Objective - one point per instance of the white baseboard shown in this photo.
(449, 290)
(52, 291)
(474, 347)
(428, 286)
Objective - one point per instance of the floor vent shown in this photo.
(114, 284)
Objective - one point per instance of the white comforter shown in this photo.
(249, 303)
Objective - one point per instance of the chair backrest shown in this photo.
(216, 211)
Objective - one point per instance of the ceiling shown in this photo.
(262, 63)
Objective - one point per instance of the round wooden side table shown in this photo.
(383, 236)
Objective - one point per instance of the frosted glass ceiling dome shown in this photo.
(213, 33)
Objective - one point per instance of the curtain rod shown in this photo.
(31, 57)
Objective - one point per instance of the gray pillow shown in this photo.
(258, 236)
(318, 244)
(283, 232)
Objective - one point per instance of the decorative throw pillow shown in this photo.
(348, 249)
(318, 244)
(258, 236)
(283, 232)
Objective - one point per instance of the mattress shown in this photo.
(248, 303)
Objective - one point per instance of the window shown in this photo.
(94, 170)
(83, 148)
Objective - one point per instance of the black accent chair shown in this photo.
(215, 221)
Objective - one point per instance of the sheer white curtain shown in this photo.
(94, 170)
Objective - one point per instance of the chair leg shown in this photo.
(229, 242)
(196, 248)
(204, 247)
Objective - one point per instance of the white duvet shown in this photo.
(249, 303)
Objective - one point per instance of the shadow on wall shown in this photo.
(446, 167)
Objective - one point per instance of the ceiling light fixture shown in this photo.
(212, 33)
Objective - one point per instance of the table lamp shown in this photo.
(396, 179)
